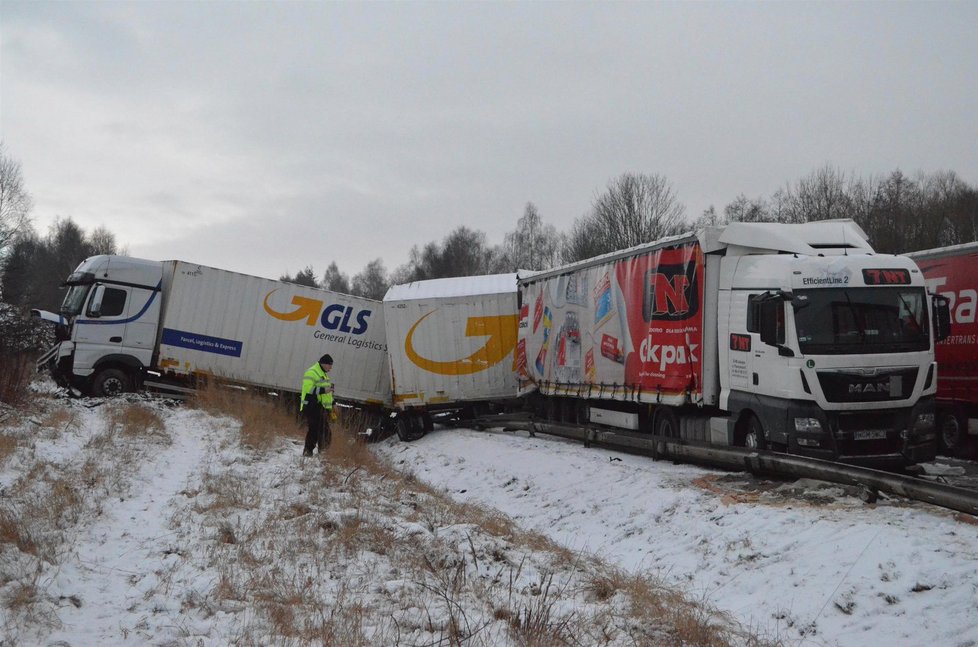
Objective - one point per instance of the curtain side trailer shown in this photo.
(796, 338)
(952, 272)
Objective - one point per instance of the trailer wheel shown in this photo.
(409, 428)
(666, 423)
(953, 435)
(754, 433)
(111, 382)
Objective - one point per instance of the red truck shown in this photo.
(953, 273)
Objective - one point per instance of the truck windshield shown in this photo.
(74, 300)
(861, 320)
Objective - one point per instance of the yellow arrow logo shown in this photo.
(305, 308)
(501, 331)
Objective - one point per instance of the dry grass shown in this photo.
(264, 420)
(224, 492)
(306, 559)
(43, 509)
(14, 531)
(136, 420)
(8, 445)
(59, 419)
(18, 370)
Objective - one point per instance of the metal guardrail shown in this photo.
(786, 465)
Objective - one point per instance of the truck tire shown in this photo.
(754, 433)
(952, 428)
(666, 423)
(110, 382)
(408, 428)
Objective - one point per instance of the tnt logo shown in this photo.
(670, 293)
(886, 277)
(740, 342)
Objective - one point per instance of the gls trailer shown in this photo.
(126, 321)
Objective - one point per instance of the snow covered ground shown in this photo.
(823, 569)
(181, 536)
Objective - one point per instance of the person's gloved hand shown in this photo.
(332, 414)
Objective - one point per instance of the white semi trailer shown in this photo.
(451, 345)
(126, 322)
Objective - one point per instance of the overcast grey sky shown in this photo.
(263, 137)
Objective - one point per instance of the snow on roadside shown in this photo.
(190, 538)
(838, 572)
(113, 570)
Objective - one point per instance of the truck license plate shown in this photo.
(869, 434)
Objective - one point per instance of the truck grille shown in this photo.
(885, 386)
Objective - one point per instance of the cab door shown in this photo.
(769, 362)
(101, 328)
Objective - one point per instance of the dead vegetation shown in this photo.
(342, 550)
(15, 376)
(388, 560)
(42, 511)
(265, 420)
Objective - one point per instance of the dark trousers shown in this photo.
(318, 432)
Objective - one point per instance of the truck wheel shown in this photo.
(953, 435)
(408, 428)
(666, 423)
(754, 433)
(111, 382)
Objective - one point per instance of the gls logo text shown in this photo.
(336, 316)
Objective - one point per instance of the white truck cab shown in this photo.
(830, 344)
(112, 311)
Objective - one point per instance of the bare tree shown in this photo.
(102, 241)
(306, 277)
(709, 218)
(533, 245)
(825, 194)
(635, 209)
(35, 267)
(743, 209)
(464, 252)
(371, 282)
(15, 202)
(584, 241)
(335, 280)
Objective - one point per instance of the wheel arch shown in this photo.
(126, 363)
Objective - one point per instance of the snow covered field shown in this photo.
(826, 569)
(154, 525)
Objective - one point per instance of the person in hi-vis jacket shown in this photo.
(317, 404)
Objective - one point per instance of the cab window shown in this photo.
(112, 303)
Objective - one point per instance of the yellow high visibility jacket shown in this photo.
(317, 382)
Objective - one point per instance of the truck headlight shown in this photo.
(808, 425)
(924, 422)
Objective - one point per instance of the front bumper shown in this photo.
(882, 438)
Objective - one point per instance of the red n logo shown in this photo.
(669, 294)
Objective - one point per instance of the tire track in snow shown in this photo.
(109, 572)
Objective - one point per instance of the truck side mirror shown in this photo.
(95, 302)
(942, 317)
